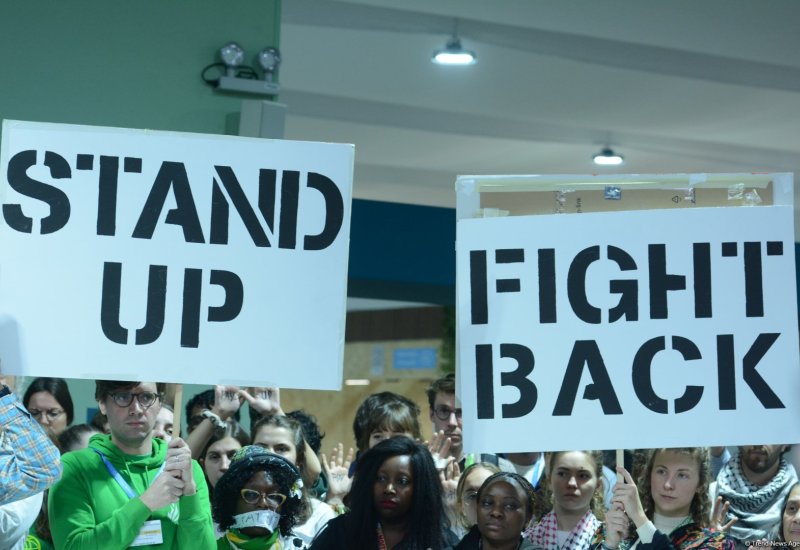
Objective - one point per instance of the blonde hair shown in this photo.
(461, 519)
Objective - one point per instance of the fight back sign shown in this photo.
(144, 255)
(628, 329)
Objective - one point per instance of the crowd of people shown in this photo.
(127, 479)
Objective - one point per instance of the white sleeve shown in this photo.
(17, 517)
(646, 532)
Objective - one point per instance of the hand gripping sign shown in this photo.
(629, 329)
(175, 257)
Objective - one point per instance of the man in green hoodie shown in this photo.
(128, 489)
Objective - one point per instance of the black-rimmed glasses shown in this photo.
(443, 412)
(125, 398)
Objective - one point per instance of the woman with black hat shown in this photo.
(257, 502)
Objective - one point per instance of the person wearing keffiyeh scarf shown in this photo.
(756, 483)
(574, 488)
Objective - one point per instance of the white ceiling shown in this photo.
(674, 86)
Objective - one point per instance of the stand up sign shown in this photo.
(141, 255)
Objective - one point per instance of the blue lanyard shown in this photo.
(118, 477)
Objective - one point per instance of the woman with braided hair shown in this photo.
(506, 503)
(258, 501)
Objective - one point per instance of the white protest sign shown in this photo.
(628, 330)
(140, 255)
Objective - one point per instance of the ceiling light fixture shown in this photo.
(453, 53)
(356, 382)
(607, 157)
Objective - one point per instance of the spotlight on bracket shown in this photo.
(241, 78)
(232, 56)
(270, 60)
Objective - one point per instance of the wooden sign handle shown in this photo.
(177, 405)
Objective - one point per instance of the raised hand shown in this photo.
(266, 401)
(719, 513)
(439, 446)
(337, 470)
(227, 400)
(448, 476)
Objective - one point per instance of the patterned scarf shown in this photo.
(545, 533)
(237, 539)
(685, 537)
(757, 507)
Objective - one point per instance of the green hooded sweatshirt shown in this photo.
(90, 511)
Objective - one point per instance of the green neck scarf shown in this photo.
(240, 540)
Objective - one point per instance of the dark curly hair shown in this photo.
(311, 431)
(204, 400)
(700, 507)
(427, 522)
(58, 388)
(280, 471)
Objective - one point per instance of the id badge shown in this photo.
(150, 533)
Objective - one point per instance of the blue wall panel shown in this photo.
(402, 252)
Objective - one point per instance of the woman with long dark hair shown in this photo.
(216, 456)
(395, 503)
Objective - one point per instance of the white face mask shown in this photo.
(266, 519)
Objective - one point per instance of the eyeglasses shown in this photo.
(443, 412)
(273, 500)
(52, 414)
(125, 398)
